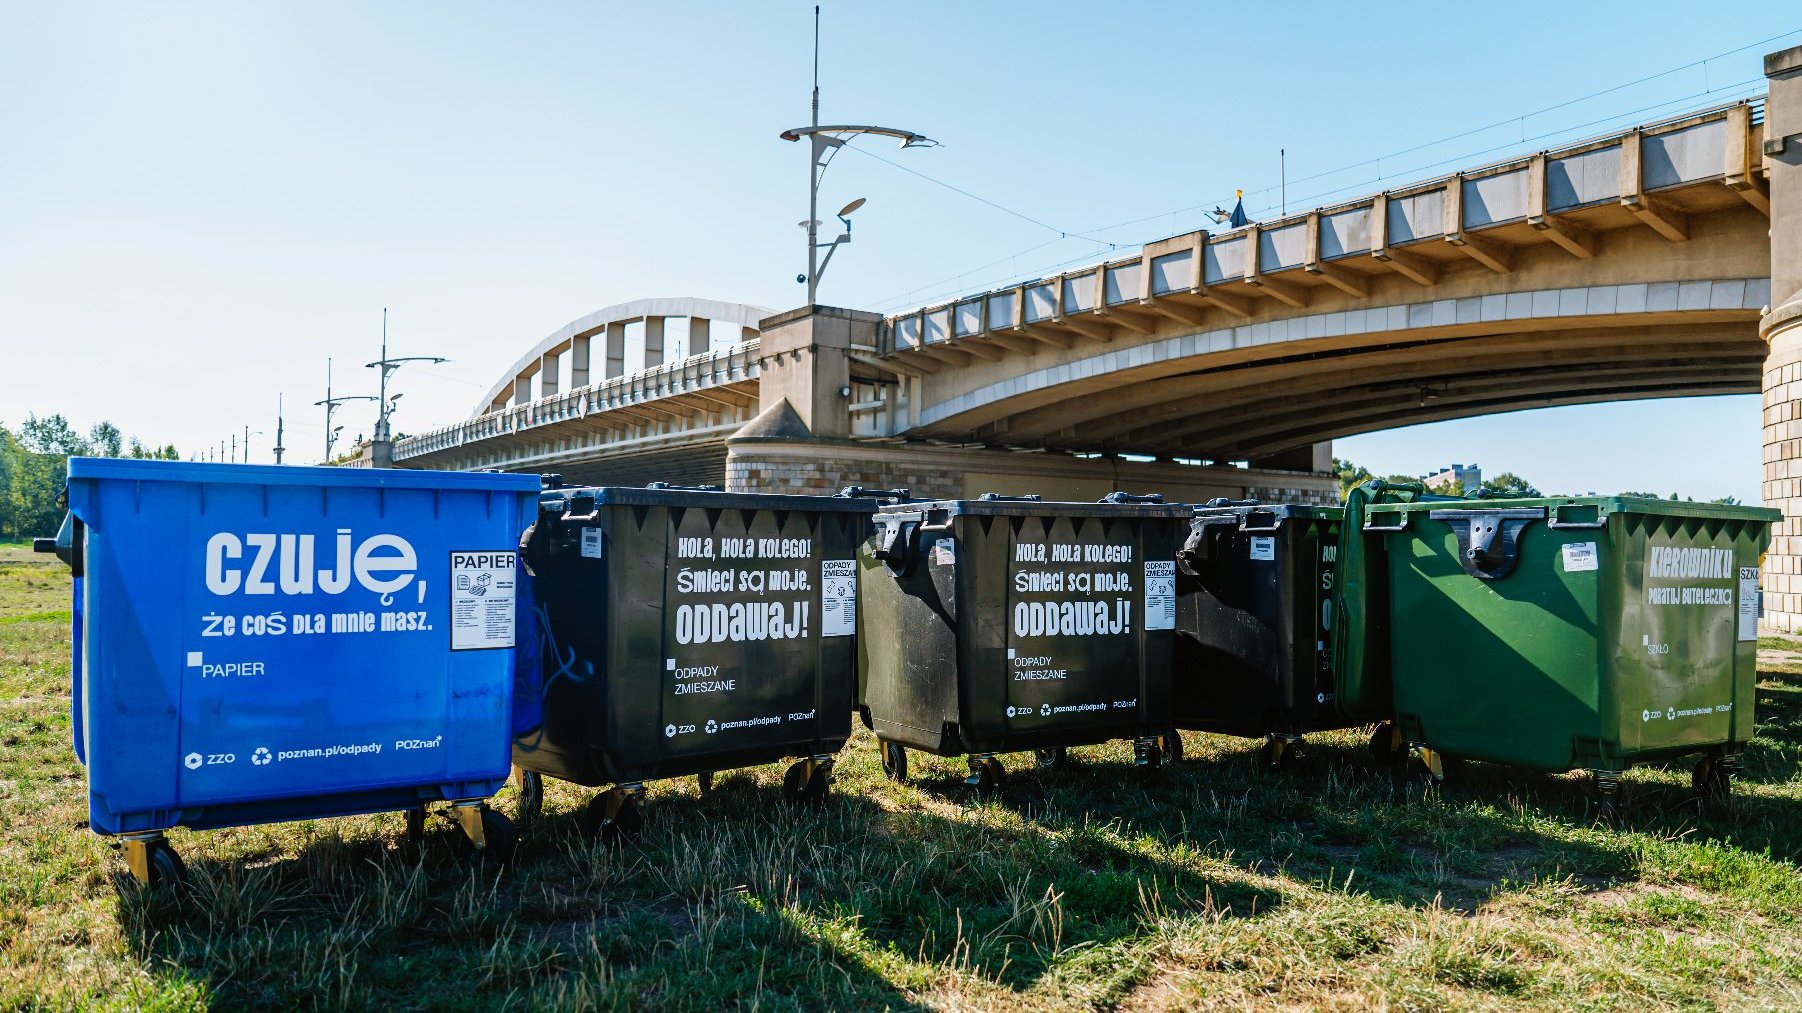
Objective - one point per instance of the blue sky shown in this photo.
(205, 200)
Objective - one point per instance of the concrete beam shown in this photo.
(1745, 160)
(616, 349)
(1416, 269)
(547, 375)
(578, 362)
(1655, 214)
(699, 335)
(654, 348)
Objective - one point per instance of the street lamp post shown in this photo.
(381, 447)
(331, 405)
(824, 141)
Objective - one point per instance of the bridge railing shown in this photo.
(697, 372)
(1676, 151)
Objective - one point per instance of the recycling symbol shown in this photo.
(1010, 710)
(261, 757)
(712, 726)
(1670, 714)
(1044, 710)
(669, 731)
(1645, 715)
(191, 761)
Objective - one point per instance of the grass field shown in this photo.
(1331, 885)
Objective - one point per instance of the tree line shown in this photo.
(1506, 484)
(34, 467)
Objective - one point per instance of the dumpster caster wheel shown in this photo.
(1275, 752)
(531, 795)
(704, 781)
(1386, 745)
(807, 782)
(1610, 799)
(497, 839)
(1428, 768)
(613, 816)
(987, 776)
(1148, 755)
(1050, 759)
(894, 760)
(416, 825)
(1171, 742)
(1713, 782)
(155, 863)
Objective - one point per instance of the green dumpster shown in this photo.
(1590, 633)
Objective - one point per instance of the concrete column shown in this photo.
(1782, 330)
(747, 334)
(698, 328)
(653, 342)
(522, 389)
(803, 361)
(578, 362)
(616, 350)
(547, 373)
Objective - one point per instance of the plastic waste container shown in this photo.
(1004, 624)
(1254, 623)
(262, 644)
(687, 631)
(1590, 633)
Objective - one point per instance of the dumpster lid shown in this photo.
(1604, 505)
(1037, 508)
(134, 470)
(713, 499)
(1280, 511)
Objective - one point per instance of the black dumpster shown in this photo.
(1254, 650)
(687, 631)
(1005, 624)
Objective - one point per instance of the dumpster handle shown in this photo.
(1489, 540)
(684, 488)
(995, 497)
(898, 539)
(881, 495)
(1126, 497)
(1552, 521)
(1403, 526)
(1276, 522)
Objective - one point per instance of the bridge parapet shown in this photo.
(629, 407)
(1562, 196)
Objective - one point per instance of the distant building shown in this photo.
(1469, 476)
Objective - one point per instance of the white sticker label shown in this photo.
(943, 552)
(1750, 598)
(1160, 594)
(482, 590)
(838, 586)
(591, 543)
(1263, 547)
(1579, 556)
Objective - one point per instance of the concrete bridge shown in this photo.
(1644, 263)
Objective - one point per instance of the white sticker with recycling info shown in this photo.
(838, 581)
(1749, 602)
(1263, 547)
(591, 543)
(1579, 556)
(1160, 594)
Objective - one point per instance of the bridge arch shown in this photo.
(609, 323)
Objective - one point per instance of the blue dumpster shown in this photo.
(260, 644)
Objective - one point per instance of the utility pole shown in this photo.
(331, 405)
(381, 446)
(235, 448)
(247, 435)
(278, 429)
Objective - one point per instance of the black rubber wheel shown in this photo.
(1383, 746)
(622, 828)
(704, 780)
(415, 824)
(1609, 797)
(806, 784)
(1274, 753)
(499, 839)
(166, 867)
(894, 760)
(1050, 759)
(1712, 781)
(987, 777)
(1172, 743)
(531, 796)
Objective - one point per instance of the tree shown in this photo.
(1507, 484)
(1350, 475)
(105, 440)
(51, 435)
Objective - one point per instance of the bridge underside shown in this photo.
(1225, 407)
